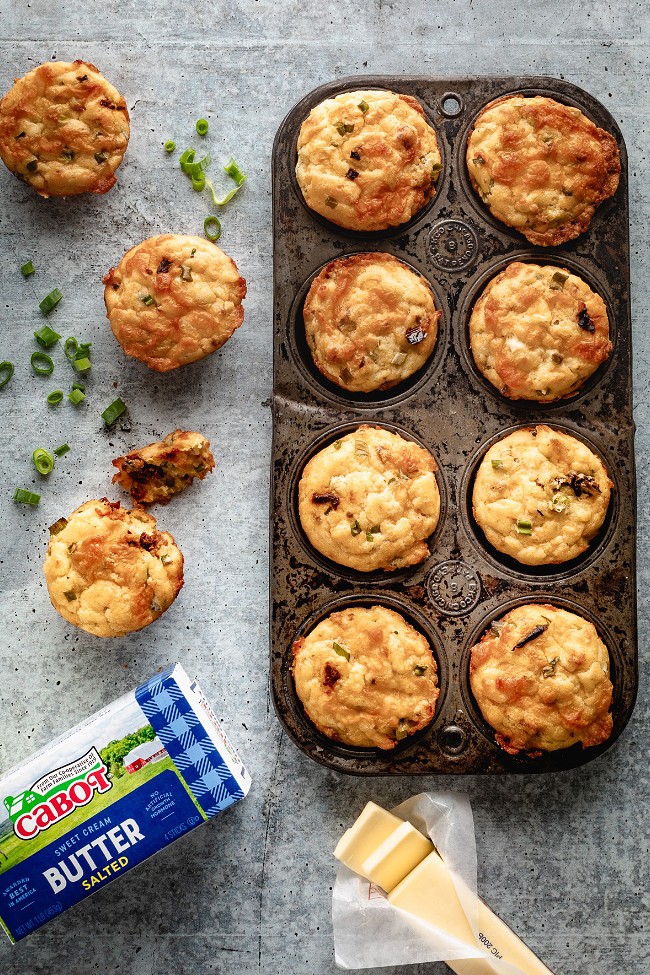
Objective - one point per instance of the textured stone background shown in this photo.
(563, 858)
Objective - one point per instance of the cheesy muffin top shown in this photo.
(367, 160)
(174, 299)
(538, 332)
(370, 500)
(540, 496)
(540, 676)
(366, 677)
(64, 129)
(370, 321)
(541, 167)
(109, 570)
(160, 470)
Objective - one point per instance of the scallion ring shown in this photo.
(6, 372)
(27, 269)
(63, 449)
(42, 363)
(43, 461)
(202, 126)
(55, 397)
(50, 301)
(234, 171)
(170, 145)
(82, 365)
(46, 336)
(26, 497)
(198, 183)
(111, 413)
(76, 396)
(71, 348)
(209, 222)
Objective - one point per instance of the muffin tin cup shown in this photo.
(449, 408)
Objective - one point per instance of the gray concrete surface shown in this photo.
(565, 858)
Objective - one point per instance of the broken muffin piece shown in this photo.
(155, 473)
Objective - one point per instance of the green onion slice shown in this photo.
(43, 461)
(170, 145)
(234, 171)
(198, 183)
(148, 300)
(27, 269)
(111, 413)
(78, 385)
(42, 363)
(187, 164)
(55, 397)
(202, 126)
(50, 301)
(58, 526)
(76, 396)
(71, 348)
(363, 105)
(340, 650)
(82, 365)
(524, 527)
(46, 336)
(61, 450)
(6, 372)
(209, 222)
(226, 198)
(26, 497)
(497, 464)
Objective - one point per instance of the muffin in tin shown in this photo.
(540, 676)
(109, 570)
(540, 496)
(174, 299)
(370, 322)
(64, 129)
(367, 160)
(370, 500)
(538, 332)
(541, 167)
(366, 677)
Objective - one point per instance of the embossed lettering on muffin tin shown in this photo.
(452, 410)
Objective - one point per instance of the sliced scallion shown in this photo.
(111, 413)
(27, 269)
(55, 397)
(79, 386)
(363, 105)
(524, 527)
(497, 464)
(202, 126)
(210, 222)
(234, 171)
(42, 363)
(76, 396)
(50, 301)
(46, 336)
(43, 461)
(6, 372)
(148, 300)
(26, 497)
(340, 650)
(170, 145)
(82, 365)
(71, 348)
(198, 183)
(226, 198)
(61, 450)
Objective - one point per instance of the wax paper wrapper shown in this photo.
(370, 933)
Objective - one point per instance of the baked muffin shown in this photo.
(174, 299)
(64, 129)
(109, 571)
(159, 471)
(366, 677)
(538, 332)
(541, 167)
(370, 500)
(540, 676)
(540, 496)
(367, 160)
(370, 322)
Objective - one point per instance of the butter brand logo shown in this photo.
(57, 794)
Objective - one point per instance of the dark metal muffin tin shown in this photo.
(452, 597)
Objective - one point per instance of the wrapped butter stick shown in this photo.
(109, 794)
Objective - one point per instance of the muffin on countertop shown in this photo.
(366, 677)
(109, 570)
(64, 129)
(174, 299)
(538, 332)
(540, 676)
(160, 470)
(370, 321)
(367, 160)
(541, 167)
(370, 500)
(540, 496)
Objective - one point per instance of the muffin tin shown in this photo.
(448, 407)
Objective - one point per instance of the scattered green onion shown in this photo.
(6, 372)
(71, 348)
(330, 202)
(111, 413)
(82, 365)
(355, 528)
(27, 269)
(50, 301)
(100, 158)
(148, 300)
(202, 126)
(363, 105)
(496, 464)
(186, 273)
(63, 449)
(70, 595)
(55, 397)
(76, 396)
(419, 671)
(46, 337)
(524, 527)
(43, 461)
(198, 183)
(344, 127)
(170, 145)
(58, 526)
(26, 497)
(187, 164)
(42, 363)
(209, 222)
(77, 385)
(234, 171)
(226, 198)
(340, 650)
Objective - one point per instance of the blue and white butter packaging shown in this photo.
(109, 794)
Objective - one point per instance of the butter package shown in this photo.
(109, 794)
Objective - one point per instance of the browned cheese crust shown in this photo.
(540, 495)
(159, 471)
(366, 677)
(367, 160)
(109, 570)
(174, 299)
(538, 332)
(370, 500)
(540, 676)
(64, 129)
(541, 167)
(370, 321)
